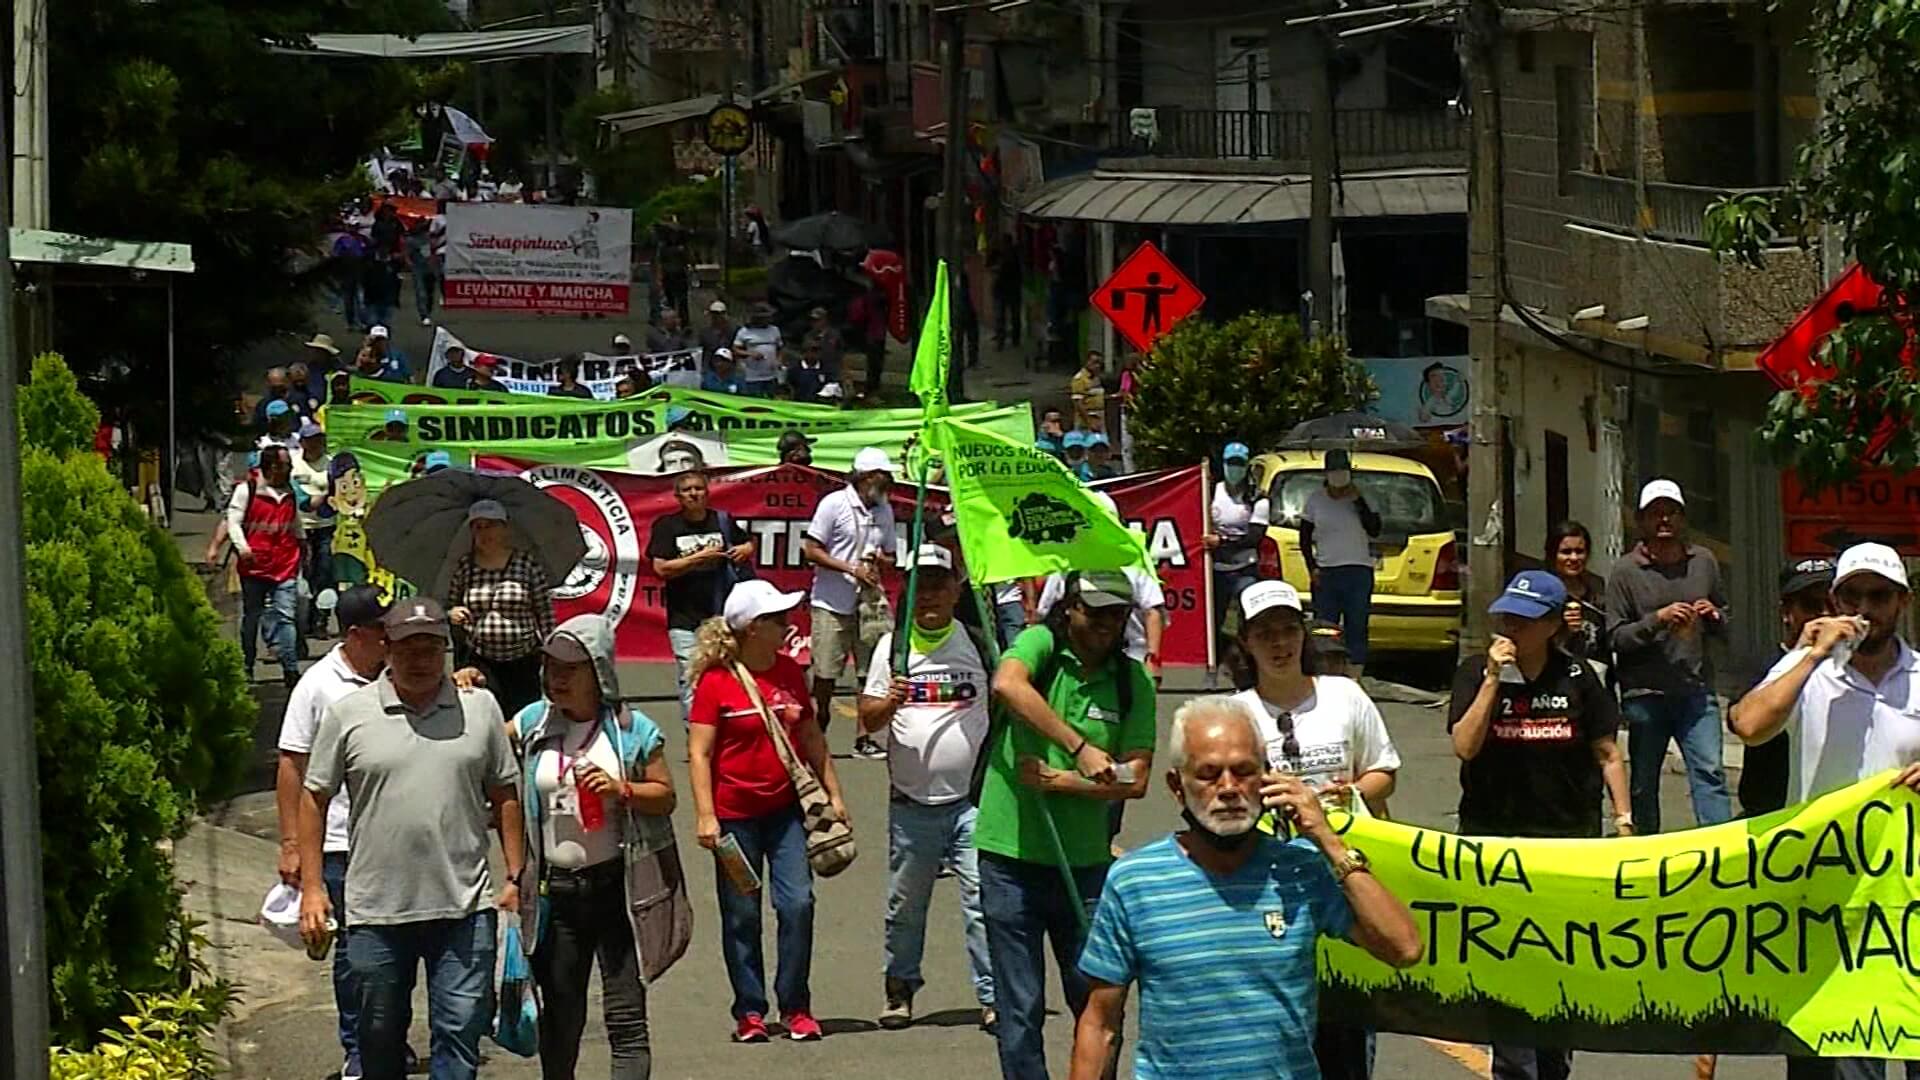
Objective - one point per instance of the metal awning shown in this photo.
(67, 249)
(1200, 199)
(480, 44)
(651, 116)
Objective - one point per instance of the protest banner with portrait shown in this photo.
(1795, 932)
(599, 372)
(539, 258)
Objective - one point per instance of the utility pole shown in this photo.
(1486, 251)
(729, 165)
(952, 191)
(553, 113)
(1320, 152)
(31, 207)
(23, 985)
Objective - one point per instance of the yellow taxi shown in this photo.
(1416, 562)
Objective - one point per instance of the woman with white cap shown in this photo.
(1236, 517)
(743, 792)
(599, 833)
(501, 597)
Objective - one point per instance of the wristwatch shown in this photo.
(1355, 862)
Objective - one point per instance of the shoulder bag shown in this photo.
(830, 847)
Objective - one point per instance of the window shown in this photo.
(1408, 504)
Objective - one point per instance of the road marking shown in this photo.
(1474, 1059)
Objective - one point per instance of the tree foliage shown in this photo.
(175, 122)
(141, 712)
(1250, 380)
(1860, 177)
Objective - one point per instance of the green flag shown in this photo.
(1022, 514)
(933, 353)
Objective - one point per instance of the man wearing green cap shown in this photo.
(1082, 740)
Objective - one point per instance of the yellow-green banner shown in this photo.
(1797, 932)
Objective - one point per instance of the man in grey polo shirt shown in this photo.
(424, 765)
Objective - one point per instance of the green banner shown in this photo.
(630, 434)
(1021, 513)
(1797, 932)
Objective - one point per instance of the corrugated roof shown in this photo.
(68, 249)
(1199, 199)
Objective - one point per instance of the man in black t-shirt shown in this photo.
(1806, 588)
(1534, 731)
(699, 552)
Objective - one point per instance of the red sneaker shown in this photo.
(752, 1029)
(801, 1026)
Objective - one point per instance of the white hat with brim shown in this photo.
(750, 600)
(872, 459)
(1870, 559)
(1263, 596)
(324, 342)
(1661, 489)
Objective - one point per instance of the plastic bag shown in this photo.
(517, 1026)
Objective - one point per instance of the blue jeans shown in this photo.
(681, 642)
(1345, 596)
(458, 954)
(260, 597)
(776, 847)
(346, 988)
(1010, 619)
(920, 839)
(1692, 721)
(1026, 910)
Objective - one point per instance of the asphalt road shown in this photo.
(287, 1034)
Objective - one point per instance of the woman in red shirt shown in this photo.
(742, 791)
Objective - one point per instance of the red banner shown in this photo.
(775, 503)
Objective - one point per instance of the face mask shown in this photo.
(1339, 478)
(1214, 840)
(1235, 472)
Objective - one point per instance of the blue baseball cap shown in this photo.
(277, 408)
(437, 460)
(396, 416)
(1235, 451)
(1530, 595)
(1097, 438)
(1074, 438)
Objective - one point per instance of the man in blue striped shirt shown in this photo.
(1218, 923)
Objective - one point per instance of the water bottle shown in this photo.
(593, 812)
(733, 863)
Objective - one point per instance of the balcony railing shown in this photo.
(1255, 135)
(1672, 211)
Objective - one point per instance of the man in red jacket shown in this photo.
(263, 521)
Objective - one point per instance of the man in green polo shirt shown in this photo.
(1082, 738)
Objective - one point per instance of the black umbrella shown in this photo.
(1352, 431)
(831, 231)
(418, 529)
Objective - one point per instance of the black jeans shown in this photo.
(1006, 319)
(515, 683)
(587, 918)
(1530, 1063)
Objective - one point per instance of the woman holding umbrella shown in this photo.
(501, 596)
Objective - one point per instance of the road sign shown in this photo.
(1790, 360)
(729, 130)
(1146, 296)
(1880, 506)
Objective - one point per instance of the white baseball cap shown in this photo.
(1660, 489)
(872, 459)
(748, 600)
(1263, 596)
(622, 339)
(1870, 559)
(718, 307)
(377, 332)
(935, 556)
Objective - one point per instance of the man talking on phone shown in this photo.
(1533, 729)
(1219, 923)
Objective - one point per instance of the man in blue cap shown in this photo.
(1074, 443)
(395, 429)
(1534, 731)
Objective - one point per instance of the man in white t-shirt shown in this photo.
(353, 663)
(935, 711)
(1321, 728)
(1148, 622)
(850, 544)
(1336, 527)
(756, 346)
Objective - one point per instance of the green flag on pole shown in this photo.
(1022, 514)
(933, 353)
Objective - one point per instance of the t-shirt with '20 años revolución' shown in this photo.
(1535, 775)
(693, 597)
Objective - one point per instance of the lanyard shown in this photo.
(567, 763)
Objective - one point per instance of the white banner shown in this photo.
(598, 372)
(520, 257)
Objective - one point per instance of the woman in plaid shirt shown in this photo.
(501, 597)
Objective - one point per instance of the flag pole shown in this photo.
(916, 536)
(1206, 577)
